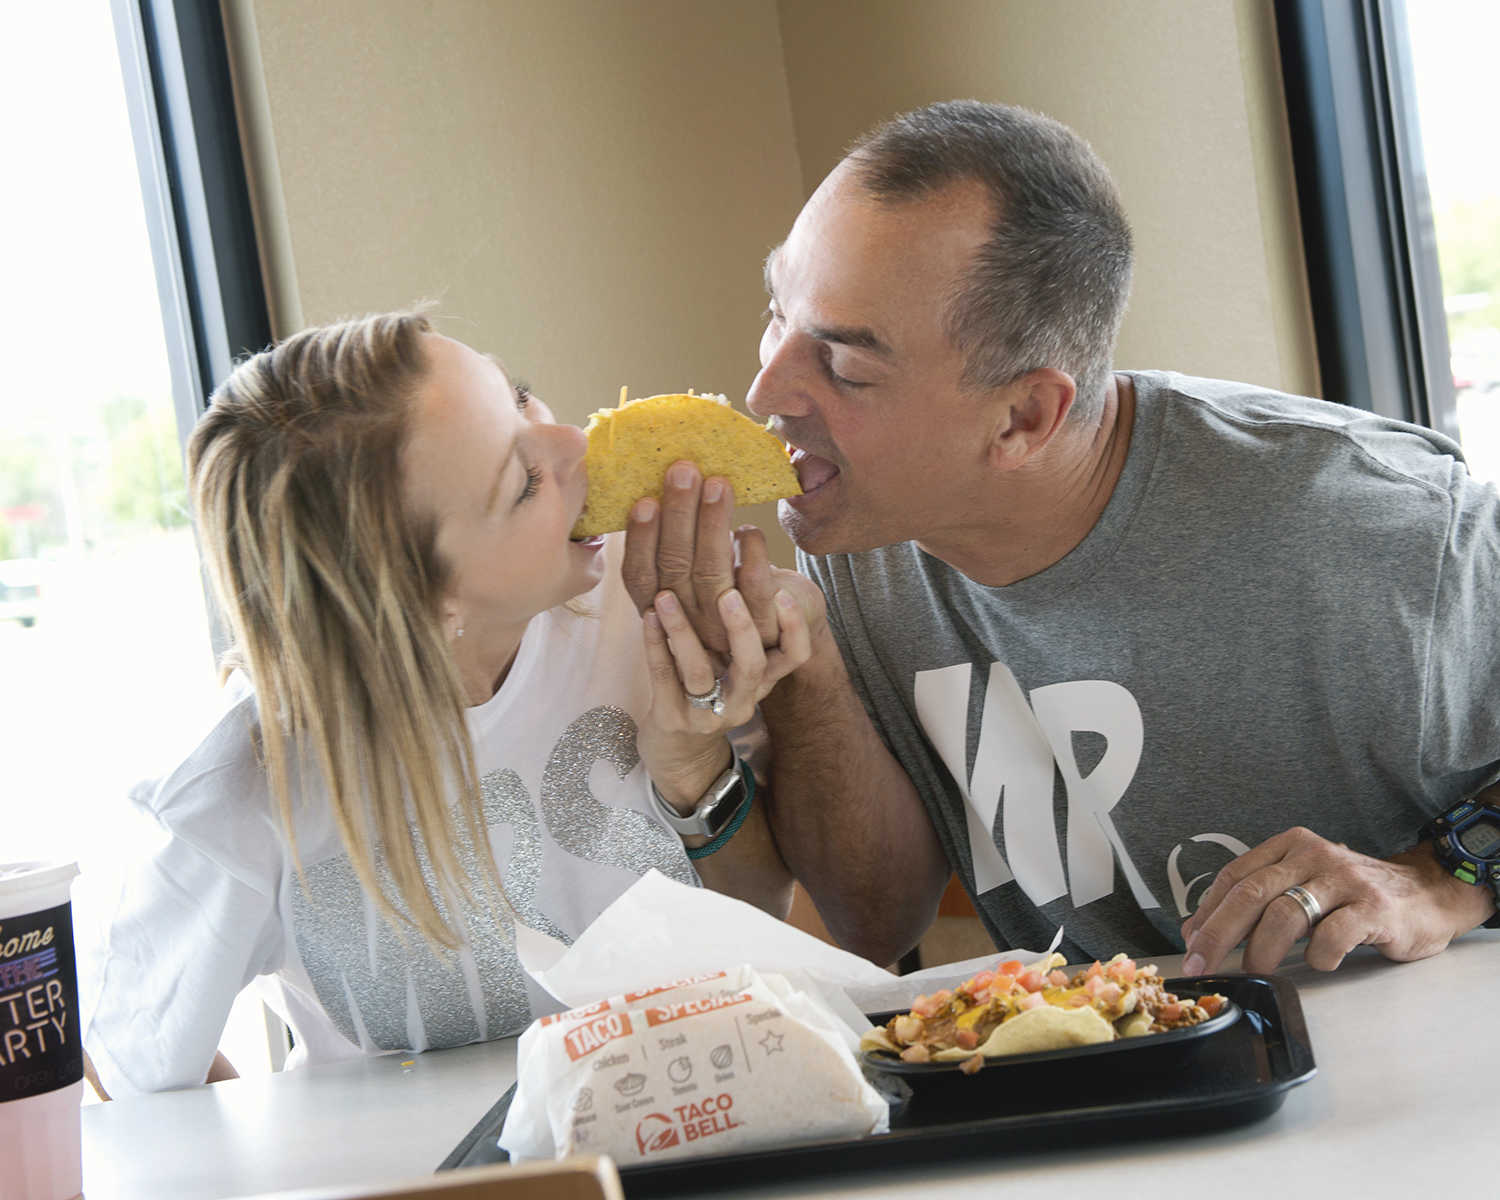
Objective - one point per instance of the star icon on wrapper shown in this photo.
(771, 1043)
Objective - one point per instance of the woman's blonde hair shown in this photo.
(331, 589)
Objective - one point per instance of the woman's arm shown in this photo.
(685, 746)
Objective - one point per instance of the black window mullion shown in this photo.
(208, 194)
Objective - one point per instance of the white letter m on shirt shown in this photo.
(1013, 772)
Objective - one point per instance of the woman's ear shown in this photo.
(453, 621)
(1029, 412)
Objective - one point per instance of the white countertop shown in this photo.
(1406, 1055)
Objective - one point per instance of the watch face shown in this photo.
(1481, 839)
(725, 802)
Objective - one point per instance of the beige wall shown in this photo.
(585, 187)
(1180, 97)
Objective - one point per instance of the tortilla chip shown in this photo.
(1044, 1028)
(876, 1038)
(630, 448)
(1135, 1024)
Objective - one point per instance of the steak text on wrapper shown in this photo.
(699, 1066)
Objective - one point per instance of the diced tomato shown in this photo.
(1122, 970)
(1031, 980)
(926, 1006)
(1009, 967)
(1058, 978)
(1171, 1012)
(1109, 994)
(1212, 1005)
(1076, 1000)
(1001, 984)
(966, 1039)
(1034, 1000)
(980, 981)
(1094, 971)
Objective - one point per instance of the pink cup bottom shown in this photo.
(40, 1146)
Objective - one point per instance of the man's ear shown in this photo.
(1029, 412)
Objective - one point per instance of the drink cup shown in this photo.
(41, 1055)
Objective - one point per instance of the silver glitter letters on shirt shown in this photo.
(351, 954)
(593, 831)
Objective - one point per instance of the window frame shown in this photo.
(1381, 331)
(180, 95)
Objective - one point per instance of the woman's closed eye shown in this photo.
(533, 484)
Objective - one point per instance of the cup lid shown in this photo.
(36, 874)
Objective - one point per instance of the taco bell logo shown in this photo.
(654, 1133)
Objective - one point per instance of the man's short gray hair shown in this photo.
(1048, 288)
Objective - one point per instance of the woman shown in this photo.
(448, 717)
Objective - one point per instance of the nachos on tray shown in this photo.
(1022, 1010)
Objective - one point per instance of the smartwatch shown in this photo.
(715, 809)
(1466, 840)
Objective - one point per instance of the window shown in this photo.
(1389, 115)
(1452, 58)
(123, 297)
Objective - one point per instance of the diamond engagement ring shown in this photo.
(713, 699)
(1309, 903)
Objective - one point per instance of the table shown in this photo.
(1406, 1058)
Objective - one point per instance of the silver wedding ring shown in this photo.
(1309, 903)
(713, 699)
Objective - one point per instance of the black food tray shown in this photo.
(1232, 1077)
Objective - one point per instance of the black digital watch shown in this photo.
(1466, 840)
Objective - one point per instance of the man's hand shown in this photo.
(684, 546)
(1407, 907)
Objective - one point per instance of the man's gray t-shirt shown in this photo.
(1288, 614)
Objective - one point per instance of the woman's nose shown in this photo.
(572, 443)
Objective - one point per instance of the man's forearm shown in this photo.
(848, 820)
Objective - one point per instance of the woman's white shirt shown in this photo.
(220, 902)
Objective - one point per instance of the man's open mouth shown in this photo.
(812, 472)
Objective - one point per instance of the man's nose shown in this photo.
(778, 388)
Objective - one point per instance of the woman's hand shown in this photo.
(684, 546)
(698, 696)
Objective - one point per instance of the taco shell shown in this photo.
(630, 448)
(1044, 1028)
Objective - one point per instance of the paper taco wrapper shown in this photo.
(701, 1067)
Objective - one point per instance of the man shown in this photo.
(1174, 663)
